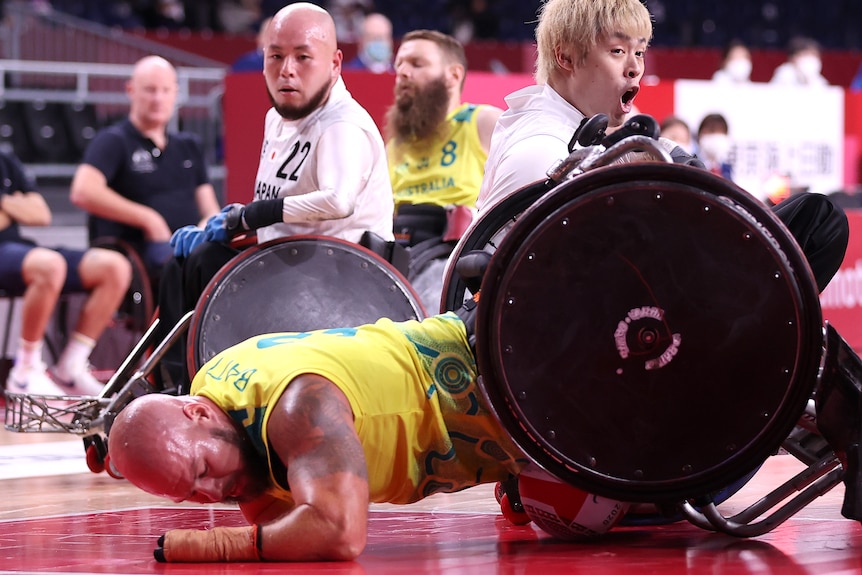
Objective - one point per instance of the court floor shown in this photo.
(57, 517)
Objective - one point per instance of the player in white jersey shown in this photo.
(322, 171)
(297, 161)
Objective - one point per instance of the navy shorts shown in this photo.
(12, 258)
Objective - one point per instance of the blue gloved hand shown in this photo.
(186, 239)
(217, 229)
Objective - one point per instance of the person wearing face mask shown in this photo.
(676, 130)
(736, 64)
(375, 46)
(803, 65)
(714, 145)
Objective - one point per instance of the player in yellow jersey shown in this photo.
(305, 429)
(436, 147)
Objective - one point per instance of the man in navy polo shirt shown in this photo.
(139, 181)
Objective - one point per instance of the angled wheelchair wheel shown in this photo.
(649, 332)
(485, 234)
(138, 306)
(300, 283)
(133, 316)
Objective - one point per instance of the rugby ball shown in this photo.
(564, 511)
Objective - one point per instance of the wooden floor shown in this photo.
(56, 517)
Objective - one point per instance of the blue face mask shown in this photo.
(378, 51)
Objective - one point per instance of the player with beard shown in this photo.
(322, 168)
(437, 147)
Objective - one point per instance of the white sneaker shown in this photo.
(32, 380)
(82, 383)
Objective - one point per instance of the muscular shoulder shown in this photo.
(310, 410)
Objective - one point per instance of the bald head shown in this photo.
(301, 59)
(314, 21)
(144, 431)
(152, 91)
(152, 65)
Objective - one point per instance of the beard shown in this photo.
(418, 115)
(289, 112)
(254, 464)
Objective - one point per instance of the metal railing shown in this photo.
(52, 57)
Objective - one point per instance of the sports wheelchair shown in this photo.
(651, 333)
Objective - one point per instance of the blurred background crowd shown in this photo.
(683, 23)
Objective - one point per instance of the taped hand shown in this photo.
(213, 545)
(186, 239)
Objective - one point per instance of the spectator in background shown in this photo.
(436, 146)
(163, 14)
(713, 141)
(473, 20)
(41, 275)
(803, 65)
(139, 181)
(348, 16)
(677, 130)
(735, 64)
(252, 61)
(240, 16)
(374, 52)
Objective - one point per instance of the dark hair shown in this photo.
(451, 48)
(801, 43)
(734, 43)
(672, 121)
(714, 123)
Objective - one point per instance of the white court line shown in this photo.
(42, 459)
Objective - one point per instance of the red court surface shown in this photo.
(75, 522)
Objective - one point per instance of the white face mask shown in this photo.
(715, 147)
(808, 66)
(738, 69)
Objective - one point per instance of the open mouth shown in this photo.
(629, 95)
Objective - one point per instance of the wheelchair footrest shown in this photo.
(52, 413)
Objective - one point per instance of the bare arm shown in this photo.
(26, 208)
(485, 122)
(313, 432)
(90, 192)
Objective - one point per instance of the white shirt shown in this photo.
(529, 138)
(788, 75)
(331, 169)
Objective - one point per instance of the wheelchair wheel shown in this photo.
(485, 234)
(132, 317)
(649, 332)
(300, 283)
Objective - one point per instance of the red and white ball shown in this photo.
(564, 511)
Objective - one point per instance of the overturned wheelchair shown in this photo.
(650, 333)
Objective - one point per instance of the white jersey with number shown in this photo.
(331, 169)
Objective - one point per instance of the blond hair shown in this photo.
(577, 25)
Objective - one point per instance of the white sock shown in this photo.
(29, 353)
(74, 358)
